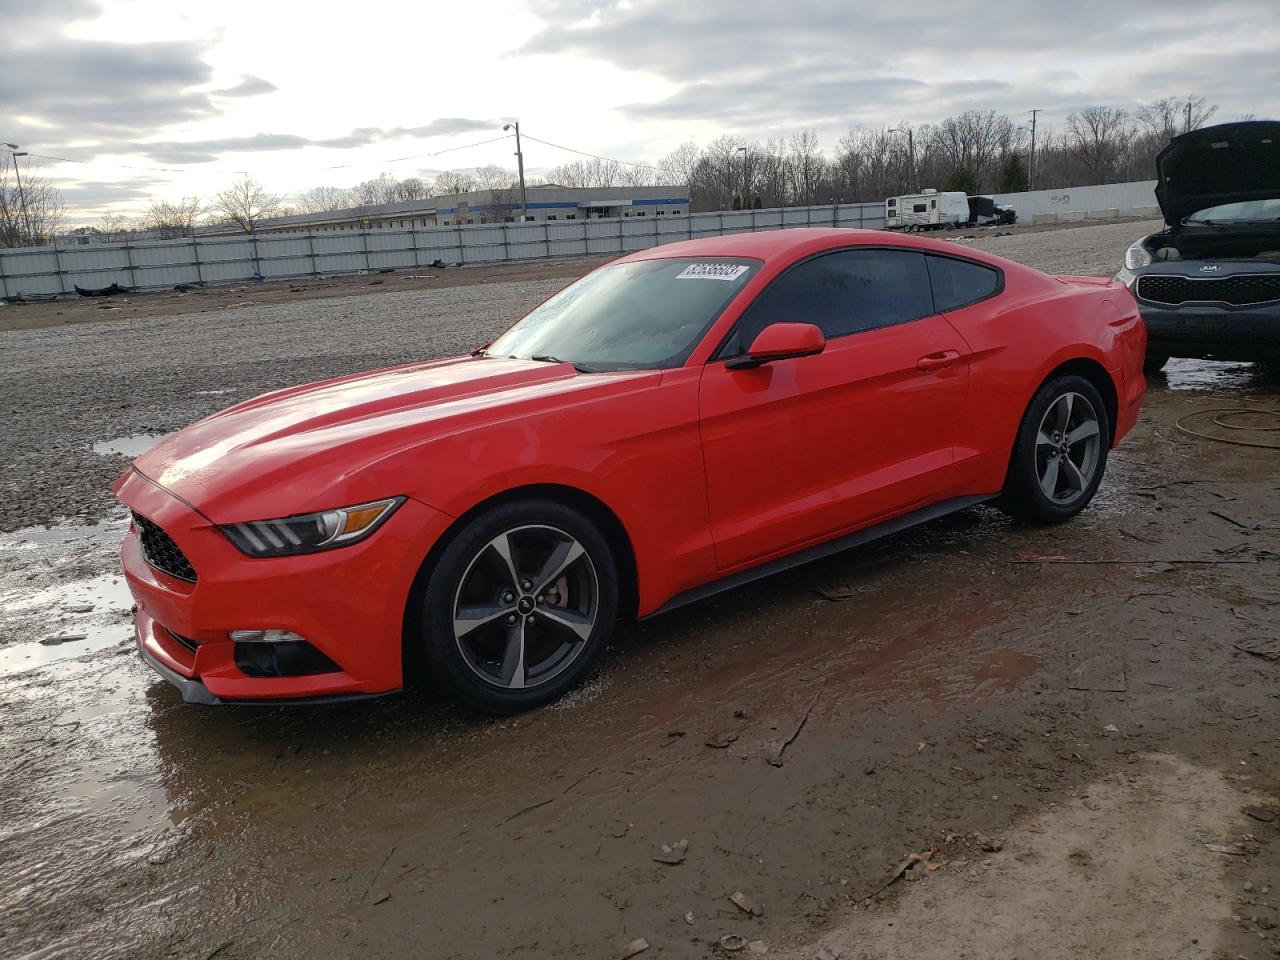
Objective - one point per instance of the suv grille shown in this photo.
(1239, 291)
(161, 552)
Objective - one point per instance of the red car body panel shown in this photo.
(708, 471)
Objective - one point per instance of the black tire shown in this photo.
(1153, 363)
(1024, 495)
(464, 679)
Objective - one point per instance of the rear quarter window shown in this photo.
(958, 283)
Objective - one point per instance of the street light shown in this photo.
(524, 200)
(911, 155)
(22, 197)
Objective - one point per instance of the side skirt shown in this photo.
(818, 551)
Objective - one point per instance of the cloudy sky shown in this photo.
(169, 98)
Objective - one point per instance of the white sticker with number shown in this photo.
(712, 271)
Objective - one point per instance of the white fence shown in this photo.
(1136, 199)
(156, 264)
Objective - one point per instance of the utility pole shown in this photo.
(1031, 158)
(22, 197)
(524, 200)
(1187, 129)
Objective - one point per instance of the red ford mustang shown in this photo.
(680, 421)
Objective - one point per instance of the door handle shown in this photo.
(937, 361)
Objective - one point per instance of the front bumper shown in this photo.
(348, 603)
(1213, 332)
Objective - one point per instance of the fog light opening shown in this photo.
(278, 653)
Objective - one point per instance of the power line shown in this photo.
(337, 166)
(418, 156)
(594, 156)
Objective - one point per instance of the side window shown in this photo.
(919, 208)
(845, 292)
(956, 283)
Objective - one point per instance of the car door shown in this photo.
(799, 450)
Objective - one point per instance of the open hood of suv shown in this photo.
(1214, 165)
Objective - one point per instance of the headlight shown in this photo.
(1137, 255)
(310, 532)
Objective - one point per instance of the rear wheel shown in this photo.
(1060, 453)
(519, 606)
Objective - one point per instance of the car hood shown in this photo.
(1224, 164)
(320, 445)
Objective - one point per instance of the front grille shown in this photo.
(161, 552)
(1242, 291)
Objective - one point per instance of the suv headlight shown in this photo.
(310, 532)
(1137, 255)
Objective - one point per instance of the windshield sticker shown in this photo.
(712, 271)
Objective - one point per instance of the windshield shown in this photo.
(648, 314)
(1244, 211)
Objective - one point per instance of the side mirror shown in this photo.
(780, 341)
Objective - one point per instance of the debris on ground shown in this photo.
(778, 747)
(836, 594)
(732, 942)
(380, 897)
(1261, 814)
(671, 853)
(721, 740)
(989, 844)
(637, 946)
(757, 947)
(746, 904)
(1268, 649)
(63, 638)
(826, 953)
(1228, 849)
(689, 918)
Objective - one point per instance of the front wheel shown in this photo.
(519, 606)
(1060, 452)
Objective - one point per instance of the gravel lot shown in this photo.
(66, 388)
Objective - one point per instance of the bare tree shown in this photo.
(323, 199)
(32, 216)
(173, 220)
(1097, 136)
(677, 167)
(413, 188)
(453, 181)
(500, 185)
(112, 227)
(807, 166)
(246, 203)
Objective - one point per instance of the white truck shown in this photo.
(929, 210)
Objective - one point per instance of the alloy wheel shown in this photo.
(525, 607)
(1067, 448)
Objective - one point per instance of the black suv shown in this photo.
(1209, 284)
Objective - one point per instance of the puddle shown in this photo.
(1183, 374)
(49, 588)
(33, 538)
(131, 446)
(96, 610)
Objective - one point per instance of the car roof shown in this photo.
(794, 243)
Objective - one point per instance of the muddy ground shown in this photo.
(1074, 730)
